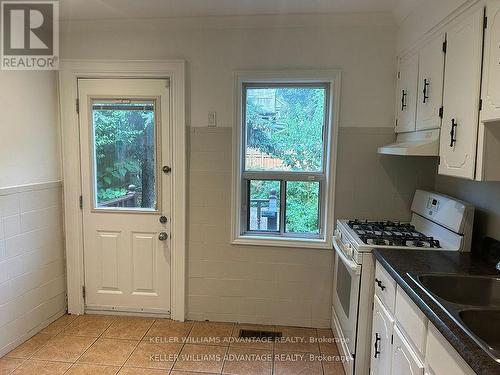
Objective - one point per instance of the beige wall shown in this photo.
(29, 144)
(485, 196)
(283, 285)
(215, 48)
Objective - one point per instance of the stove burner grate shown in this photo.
(389, 233)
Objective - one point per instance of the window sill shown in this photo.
(309, 243)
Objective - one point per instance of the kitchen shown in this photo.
(213, 59)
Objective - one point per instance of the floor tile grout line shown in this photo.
(182, 347)
(93, 342)
(137, 345)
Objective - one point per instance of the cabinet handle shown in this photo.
(403, 99)
(379, 283)
(377, 340)
(453, 132)
(426, 85)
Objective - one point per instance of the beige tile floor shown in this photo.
(98, 344)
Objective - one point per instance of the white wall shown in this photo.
(32, 276)
(29, 144)
(424, 17)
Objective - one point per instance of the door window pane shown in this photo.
(302, 207)
(285, 128)
(264, 212)
(124, 154)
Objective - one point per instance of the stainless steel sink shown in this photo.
(472, 301)
(481, 291)
(485, 325)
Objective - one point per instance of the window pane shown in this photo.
(124, 154)
(302, 208)
(284, 128)
(264, 205)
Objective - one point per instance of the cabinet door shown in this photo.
(381, 352)
(458, 139)
(406, 96)
(430, 84)
(491, 76)
(441, 358)
(404, 360)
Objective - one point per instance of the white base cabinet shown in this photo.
(382, 330)
(404, 360)
(406, 343)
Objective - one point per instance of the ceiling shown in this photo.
(107, 9)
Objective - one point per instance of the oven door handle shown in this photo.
(353, 266)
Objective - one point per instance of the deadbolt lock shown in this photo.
(166, 169)
(163, 219)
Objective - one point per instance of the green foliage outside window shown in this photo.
(124, 154)
(293, 133)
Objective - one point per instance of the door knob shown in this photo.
(166, 169)
(163, 236)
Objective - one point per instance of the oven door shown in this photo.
(346, 284)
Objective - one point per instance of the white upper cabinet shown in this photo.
(462, 80)
(381, 340)
(406, 95)
(491, 67)
(430, 84)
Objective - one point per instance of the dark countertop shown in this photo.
(401, 262)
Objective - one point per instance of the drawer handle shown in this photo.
(403, 100)
(426, 85)
(453, 132)
(379, 283)
(377, 340)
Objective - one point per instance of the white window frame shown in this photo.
(327, 193)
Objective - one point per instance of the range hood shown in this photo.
(422, 143)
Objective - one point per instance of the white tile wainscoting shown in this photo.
(285, 286)
(32, 270)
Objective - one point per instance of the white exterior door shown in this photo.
(125, 145)
(381, 340)
(430, 81)
(406, 96)
(459, 129)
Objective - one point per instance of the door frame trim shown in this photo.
(70, 72)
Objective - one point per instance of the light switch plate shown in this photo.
(212, 119)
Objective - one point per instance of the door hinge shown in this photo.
(83, 291)
(392, 339)
(445, 46)
(399, 75)
(480, 104)
(77, 105)
(485, 22)
(441, 110)
(396, 123)
(81, 202)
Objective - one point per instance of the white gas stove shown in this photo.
(438, 222)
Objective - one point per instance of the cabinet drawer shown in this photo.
(441, 358)
(412, 320)
(385, 287)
